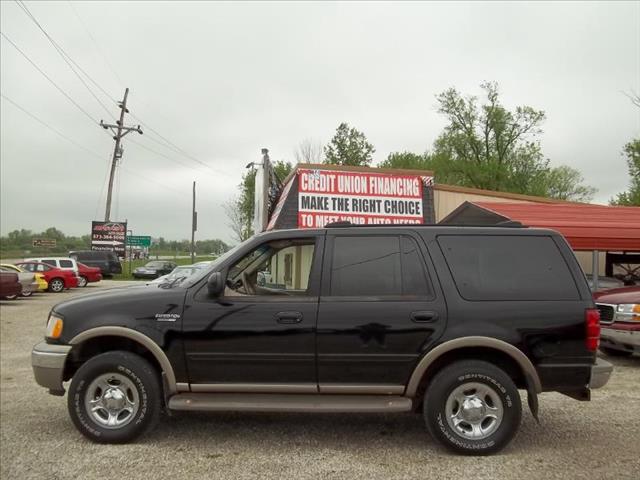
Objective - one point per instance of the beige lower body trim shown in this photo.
(341, 388)
(254, 388)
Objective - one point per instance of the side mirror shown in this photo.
(215, 284)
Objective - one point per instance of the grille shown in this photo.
(606, 312)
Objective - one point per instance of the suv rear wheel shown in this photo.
(115, 397)
(472, 407)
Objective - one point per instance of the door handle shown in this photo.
(289, 317)
(424, 316)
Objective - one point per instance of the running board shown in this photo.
(271, 402)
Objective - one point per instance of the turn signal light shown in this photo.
(592, 323)
(54, 327)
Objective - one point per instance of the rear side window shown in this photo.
(50, 262)
(509, 267)
(378, 266)
(66, 263)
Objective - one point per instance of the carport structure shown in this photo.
(595, 228)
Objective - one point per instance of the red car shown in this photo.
(9, 285)
(57, 278)
(88, 274)
(619, 320)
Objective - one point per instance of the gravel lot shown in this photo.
(600, 439)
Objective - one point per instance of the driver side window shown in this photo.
(280, 267)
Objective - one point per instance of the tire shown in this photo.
(613, 352)
(132, 386)
(82, 281)
(492, 414)
(56, 285)
(10, 297)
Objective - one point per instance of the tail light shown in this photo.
(592, 323)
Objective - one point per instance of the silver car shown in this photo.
(26, 279)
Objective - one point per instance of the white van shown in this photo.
(63, 263)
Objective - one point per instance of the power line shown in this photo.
(82, 147)
(93, 120)
(67, 59)
(95, 43)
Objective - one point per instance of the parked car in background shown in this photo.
(26, 279)
(10, 286)
(619, 320)
(604, 283)
(106, 261)
(154, 269)
(180, 273)
(43, 286)
(88, 274)
(63, 263)
(57, 278)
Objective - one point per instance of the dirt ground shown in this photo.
(575, 440)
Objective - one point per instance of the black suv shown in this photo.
(447, 321)
(106, 261)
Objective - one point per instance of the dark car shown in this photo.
(450, 322)
(106, 261)
(620, 320)
(154, 269)
(10, 286)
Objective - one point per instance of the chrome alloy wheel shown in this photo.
(112, 400)
(474, 410)
(57, 285)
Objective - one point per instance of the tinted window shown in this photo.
(66, 263)
(50, 262)
(366, 266)
(491, 267)
(414, 278)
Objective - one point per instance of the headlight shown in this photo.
(628, 312)
(54, 326)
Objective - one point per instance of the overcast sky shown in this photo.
(223, 80)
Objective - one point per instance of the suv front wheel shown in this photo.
(472, 407)
(115, 397)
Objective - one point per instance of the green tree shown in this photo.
(348, 147)
(487, 146)
(632, 197)
(408, 160)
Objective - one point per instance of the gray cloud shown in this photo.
(222, 80)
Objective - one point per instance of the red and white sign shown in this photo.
(326, 196)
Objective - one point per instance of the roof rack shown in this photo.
(348, 224)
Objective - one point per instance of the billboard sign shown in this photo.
(367, 198)
(110, 236)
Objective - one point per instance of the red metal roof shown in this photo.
(586, 227)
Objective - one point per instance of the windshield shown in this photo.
(154, 265)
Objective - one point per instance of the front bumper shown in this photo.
(48, 362)
(600, 373)
(145, 275)
(626, 338)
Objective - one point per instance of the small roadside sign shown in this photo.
(138, 241)
(44, 242)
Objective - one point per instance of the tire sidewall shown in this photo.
(442, 386)
(141, 375)
(55, 281)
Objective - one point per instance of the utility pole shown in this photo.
(119, 131)
(194, 224)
